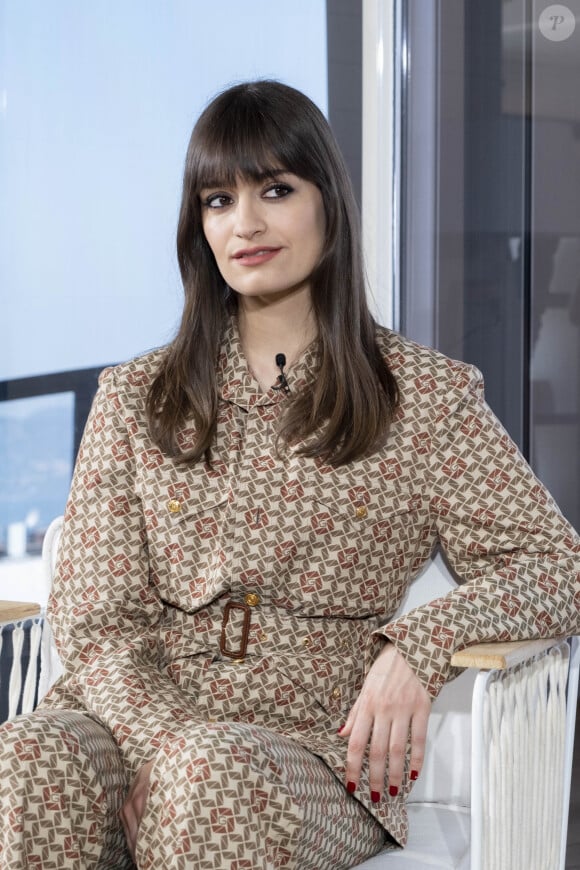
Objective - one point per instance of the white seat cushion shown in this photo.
(439, 836)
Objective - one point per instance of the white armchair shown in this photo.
(495, 788)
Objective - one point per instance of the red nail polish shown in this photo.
(340, 730)
(351, 787)
(414, 775)
(393, 790)
(375, 797)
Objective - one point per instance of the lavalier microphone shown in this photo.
(282, 382)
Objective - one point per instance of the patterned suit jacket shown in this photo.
(260, 588)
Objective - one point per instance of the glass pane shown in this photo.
(97, 101)
(555, 274)
(36, 446)
(491, 249)
(466, 214)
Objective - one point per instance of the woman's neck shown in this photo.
(269, 327)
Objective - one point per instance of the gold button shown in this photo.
(174, 505)
(336, 692)
(306, 641)
(237, 661)
(361, 511)
(262, 636)
(252, 599)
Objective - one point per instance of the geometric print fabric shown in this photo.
(62, 783)
(309, 562)
(257, 801)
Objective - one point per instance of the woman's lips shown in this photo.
(255, 256)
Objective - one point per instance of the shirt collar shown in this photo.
(236, 382)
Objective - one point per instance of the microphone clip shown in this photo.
(282, 383)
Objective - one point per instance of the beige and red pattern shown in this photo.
(62, 783)
(152, 552)
(258, 800)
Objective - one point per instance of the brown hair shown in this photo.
(251, 130)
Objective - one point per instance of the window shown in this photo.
(97, 104)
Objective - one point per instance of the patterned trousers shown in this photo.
(224, 795)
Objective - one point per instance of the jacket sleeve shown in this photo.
(502, 533)
(103, 609)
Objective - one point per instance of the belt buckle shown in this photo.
(240, 653)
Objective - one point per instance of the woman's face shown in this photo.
(266, 236)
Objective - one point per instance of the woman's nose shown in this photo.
(249, 220)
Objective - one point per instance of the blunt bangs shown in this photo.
(254, 132)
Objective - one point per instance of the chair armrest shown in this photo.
(501, 656)
(11, 611)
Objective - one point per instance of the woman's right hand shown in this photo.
(391, 711)
(132, 810)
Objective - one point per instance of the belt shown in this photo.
(245, 606)
(242, 618)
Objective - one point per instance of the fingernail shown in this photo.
(351, 787)
(340, 730)
(375, 797)
(414, 775)
(393, 790)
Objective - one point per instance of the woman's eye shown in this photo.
(276, 191)
(217, 200)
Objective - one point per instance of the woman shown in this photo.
(248, 508)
